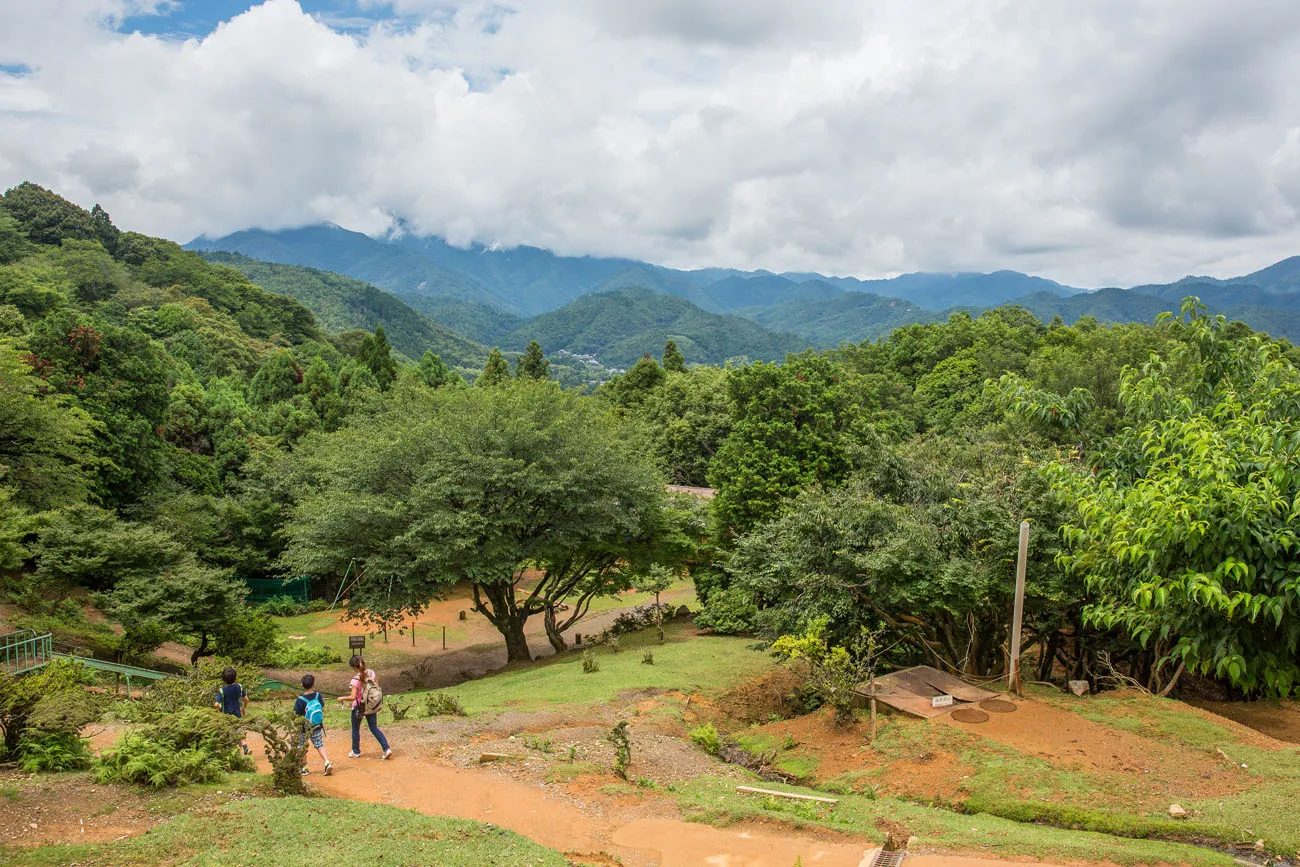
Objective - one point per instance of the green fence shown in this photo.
(265, 589)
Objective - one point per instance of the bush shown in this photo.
(648, 657)
(706, 738)
(137, 759)
(196, 689)
(316, 606)
(399, 709)
(285, 747)
(193, 745)
(283, 606)
(249, 636)
(622, 742)
(590, 665)
(303, 656)
(52, 751)
(50, 700)
(633, 620)
(729, 611)
(443, 704)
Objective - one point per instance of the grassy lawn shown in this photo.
(297, 831)
(398, 649)
(680, 592)
(683, 662)
(715, 801)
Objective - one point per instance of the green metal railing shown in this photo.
(25, 651)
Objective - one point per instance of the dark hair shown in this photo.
(357, 662)
(229, 675)
(308, 681)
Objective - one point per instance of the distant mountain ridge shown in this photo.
(491, 295)
(529, 280)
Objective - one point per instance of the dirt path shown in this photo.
(593, 829)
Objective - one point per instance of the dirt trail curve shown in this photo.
(590, 832)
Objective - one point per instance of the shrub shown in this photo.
(52, 751)
(590, 665)
(648, 657)
(196, 689)
(285, 749)
(420, 674)
(706, 738)
(249, 636)
(399, 709)
(193, 745)
(622, 741)
(50, 700)
(316, 606)
(442, 704)
(283, 606)
(303, 656)
(633, 620)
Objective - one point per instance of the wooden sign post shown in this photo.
(1018, 613)
(356, 642)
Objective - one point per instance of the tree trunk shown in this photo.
(200, 651)
(503, 613)
(553, 633)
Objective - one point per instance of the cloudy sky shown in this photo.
(1100, 142)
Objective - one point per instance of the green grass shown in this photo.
(297, 831)
(680, 592)
(715, 801)
(681, 663)
(396, 651)
(793, 762)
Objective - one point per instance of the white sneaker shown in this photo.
(354, 755)
(387, 753)
(329, 769)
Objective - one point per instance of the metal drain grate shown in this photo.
(888, 859)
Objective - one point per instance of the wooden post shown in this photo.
(873, 706)
(1013, 670)
(444, 638)
(413, 632)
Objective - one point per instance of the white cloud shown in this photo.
(1097, 143)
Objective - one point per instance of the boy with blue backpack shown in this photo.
(311, 707)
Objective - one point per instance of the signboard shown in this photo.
(941, 701)
(356, 642)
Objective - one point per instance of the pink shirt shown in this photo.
(358, 694)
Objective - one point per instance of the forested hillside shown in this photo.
(342, 304)
(148, 401)
(619, 327)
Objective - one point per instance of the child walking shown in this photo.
(232, 699)
(311, 707)
(357, 696)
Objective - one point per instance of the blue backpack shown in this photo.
(315, 711)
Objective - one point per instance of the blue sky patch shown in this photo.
(197, 18)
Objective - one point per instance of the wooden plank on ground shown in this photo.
(750, 790)
(954, 687)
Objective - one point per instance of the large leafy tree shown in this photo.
(476, 485)
(1187, 532)
(189, 599)
(376, 354)
(923, 544)
(793, 425)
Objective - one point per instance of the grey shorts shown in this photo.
(317, 735)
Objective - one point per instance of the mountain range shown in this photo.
(460, 300)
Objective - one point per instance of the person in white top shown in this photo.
(357, 696)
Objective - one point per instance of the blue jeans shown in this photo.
(374, 730)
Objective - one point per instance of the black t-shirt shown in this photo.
(230, 697)
(300, 706)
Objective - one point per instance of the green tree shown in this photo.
(85, 546)
(497, 371)
(376, 354)
(45, 441)
(191, 599)
(673, 361)
(1186, 532)
(793, 425)
(532, 364)
(687, 419)
(432, 372)
(631, 388)
(474, 485)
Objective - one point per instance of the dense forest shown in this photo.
(169, 430)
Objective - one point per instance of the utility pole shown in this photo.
(1013, 670)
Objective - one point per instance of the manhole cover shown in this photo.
(998, 705)
(970, 715)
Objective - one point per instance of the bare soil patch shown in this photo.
(1277, 720)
